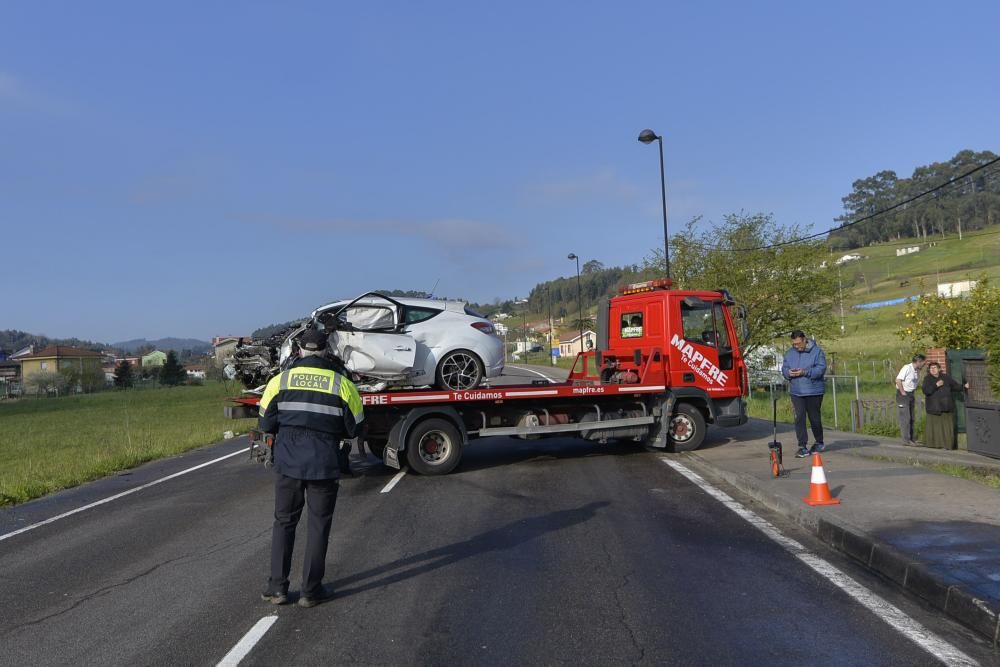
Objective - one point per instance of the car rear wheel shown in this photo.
(460, 370)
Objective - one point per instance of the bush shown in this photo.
(886, 429)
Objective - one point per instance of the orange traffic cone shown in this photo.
(819, 490)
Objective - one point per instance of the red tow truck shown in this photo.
(666, 364)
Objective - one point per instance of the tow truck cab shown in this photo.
(688, 341)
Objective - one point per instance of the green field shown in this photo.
(55, 443)
(882, 276)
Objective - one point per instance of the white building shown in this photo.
(571, 347)
(951, 290)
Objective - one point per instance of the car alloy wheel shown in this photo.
(460, 370)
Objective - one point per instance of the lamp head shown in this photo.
(647, 136)
(572, 255)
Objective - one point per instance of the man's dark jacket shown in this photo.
(311, 408)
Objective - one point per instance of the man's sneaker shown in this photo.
(274, 598)
(325, 594)
(802, 453)
(817, 448)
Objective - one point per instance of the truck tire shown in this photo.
(376, 447)
(433, 447)
(687, 428)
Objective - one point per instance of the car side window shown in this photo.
(370, 318)
(415, 314)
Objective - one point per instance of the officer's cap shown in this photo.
(312, 340)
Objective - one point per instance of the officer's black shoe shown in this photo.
(274, 598)
(325, 594)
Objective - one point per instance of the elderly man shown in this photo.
(906, 386)
(311, 408)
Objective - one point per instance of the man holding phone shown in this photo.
(804, 367)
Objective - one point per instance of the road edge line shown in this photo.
(53, 519)
(911, 576)
(882, 609)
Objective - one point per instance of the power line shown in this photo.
(946, 184)
(939, 240)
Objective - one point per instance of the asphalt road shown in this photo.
(534, 552)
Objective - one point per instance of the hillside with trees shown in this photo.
(13, 340)
(969, 204)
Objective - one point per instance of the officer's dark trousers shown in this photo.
(808, 406)
(319, 497)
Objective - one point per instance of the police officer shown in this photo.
(310, 407)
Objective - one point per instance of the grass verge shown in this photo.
(971, 473)
(52, 444)
(990, 479)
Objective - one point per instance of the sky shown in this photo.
(195, 169)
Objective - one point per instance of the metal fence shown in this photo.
(866, 411)
(846, 381)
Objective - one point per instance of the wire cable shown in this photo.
(948, 183)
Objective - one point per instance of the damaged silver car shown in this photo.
(386, 342)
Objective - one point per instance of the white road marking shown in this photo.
(899, 621)
(393, 482)
(119, 495)
(250, 639)
(522, 368)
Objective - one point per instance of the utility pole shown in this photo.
(840, 279)
(548, 298)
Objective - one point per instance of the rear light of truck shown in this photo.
(485, 327)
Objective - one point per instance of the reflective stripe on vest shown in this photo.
(302, 406)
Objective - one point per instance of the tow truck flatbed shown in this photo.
(667, 364)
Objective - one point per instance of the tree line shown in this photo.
(968, 204)
(13, 340)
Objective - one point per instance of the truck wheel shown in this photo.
(687, 428)
(433, 447)
(376, 447)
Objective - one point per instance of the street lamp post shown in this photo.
(579, 295)
(524, 321)
(647, 137)
(548, 299)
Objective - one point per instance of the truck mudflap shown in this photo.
(659, 436)
(391, 457)
(730, 411)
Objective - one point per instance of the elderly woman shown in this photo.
(938, 387)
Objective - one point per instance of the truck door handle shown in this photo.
(402, 348)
